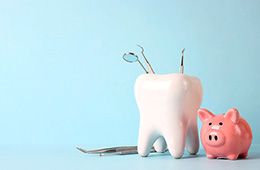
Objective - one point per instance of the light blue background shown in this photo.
(63, 82)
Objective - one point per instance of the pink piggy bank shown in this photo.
(226, 135)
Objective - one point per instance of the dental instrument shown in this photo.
(146, 61)
(121, 150)
(131, 57)
(182, 66)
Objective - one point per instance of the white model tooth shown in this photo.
(168, 107)
(160, 145)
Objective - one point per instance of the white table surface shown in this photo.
(71, 159)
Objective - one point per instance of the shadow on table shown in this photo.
(185, 156)
(251, 156)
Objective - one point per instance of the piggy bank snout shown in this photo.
(214, 138)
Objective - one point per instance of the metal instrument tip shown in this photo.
(182, 57)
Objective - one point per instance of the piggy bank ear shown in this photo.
(204, 114)
(233, 115)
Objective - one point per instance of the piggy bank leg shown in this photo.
(211, 156)
(160, 145)
(145, 141)
(232, 156)
(175, 139)
(192, 139)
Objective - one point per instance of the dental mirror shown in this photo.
(132, 58)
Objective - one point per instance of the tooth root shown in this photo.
(160, 145)
(145, 141)
(176, 140)
(192, 139)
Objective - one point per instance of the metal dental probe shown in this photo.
(182, 66)
(146, 61)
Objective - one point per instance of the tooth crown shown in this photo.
(168, 105)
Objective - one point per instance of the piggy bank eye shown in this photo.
(220, 123)
(210, 124)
